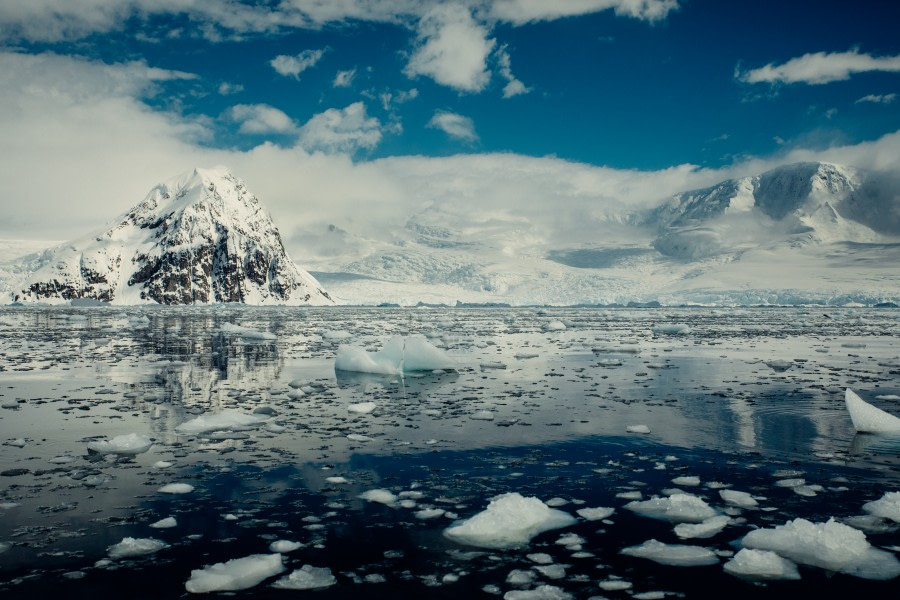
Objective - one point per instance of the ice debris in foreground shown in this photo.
(236, 574)
(832, 546)
(131, 443)
(677, 508)
(867, 418)
(760, 565)
(509, 521)
(226, 419)
(399, 355)
(676, 555)
(886, 507)
(130, 546)
(306, 577)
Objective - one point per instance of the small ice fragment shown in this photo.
(886, 507)
(399, 356)
(130, 546)
(706, 529)
(760, 565)
(555, 502)
(509, 521)
(867, 418)
(614, 585)
(551, 571)
(362, 407)
(671, 328)
(595, 514)
(676, 555)
(337, 479)
(492, 365)
(739, 499)
(162, 464)
(236, 574)
(790, 483)
(779, 366)
(225, 420)
(166, 523)
(541, 558)
(176, 488)
(246, 332)
(61, 460)
(380, 496)
(284, 546)
(430, 513)
(637, 429)
(887, 397)
(356, 437)
(375, 578)
(131, 443)
(520, 577)
(336, 335)
(677, 508)
(687, 480)
(541, 592)
(482, 415)
(554, 325)
(18, 443)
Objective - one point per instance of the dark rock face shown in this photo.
(201, 239)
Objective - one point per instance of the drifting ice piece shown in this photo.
(399, 355)
(236, 574)
(867, 418)
(131, 443)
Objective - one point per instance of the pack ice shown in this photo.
(509, 521)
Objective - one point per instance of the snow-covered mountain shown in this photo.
(807, 232)
(198, 238)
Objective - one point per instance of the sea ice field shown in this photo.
(446, 453)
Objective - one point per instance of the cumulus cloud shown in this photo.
(821, 67)
(513, 86)
(341, 130)
(344, 78)
(878, 98)
(520, 12)
(227, 89)
(261, 119)
(292, 66)
(452, 49)
(454, 125)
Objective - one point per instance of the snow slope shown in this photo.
(198, 238)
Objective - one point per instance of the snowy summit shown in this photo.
(198, 238)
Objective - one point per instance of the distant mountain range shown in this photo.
(199, 238)
(800, 233)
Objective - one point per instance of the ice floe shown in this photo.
(595, 514)
(176, 488)
(867, 418)
(637, 429)
(166, 523)
(228, 419)
(760, 565)
(738, 499)
(509, 521)
(676, 555)
(130, 547)
(702, 530)
(236, 574)
(379, 496)
(399, 355)
(362, 407)
(542, 592)
(130, 443)
(831, 545)
(677, 508)
(306, 577)
(886, 507)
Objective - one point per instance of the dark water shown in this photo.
(560, 410)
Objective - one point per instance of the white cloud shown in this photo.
(452, 49)
(344, 78)
(821, 67)
(292, 66)
(454, 125)
(878, 98)
(341, 130)
(261, 119)
(513, 86)
(227, 89)
(519, 12)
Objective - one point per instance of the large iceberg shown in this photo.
(509, 521)
(399, 355)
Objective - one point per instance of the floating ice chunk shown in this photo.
(356, 437)
(526, 355)
(380, 496)
(790, 483)
(676, 555)
(509, 521)
(541, 558)
(430, 513)
(637, 429)
(542, 592)
(706, 529)
(399, 355)
(830, 545)
(235, 574)
(228, 419)
(61, 460)
(177, 488)
(336, 335)
(555, 502)
(246, 332)
(337, 479)
(595, 514)
(166, 523)
(554, 325)
(887, 397)
(687, 480)
(162, 464)
(760, 565)
(493, 364)
(362, 407)
(677, 508)
(779, 366)
(284, 546)
(482, 415)
(614, 585)
(130, 546)
(520, 577)
(867, 418)
(18, 443)
(131, 443)
(886, 507)
(551, 571)
(739, 499)
(672, 329)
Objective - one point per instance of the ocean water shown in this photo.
(543, 403)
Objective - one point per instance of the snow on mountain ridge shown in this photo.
(200, 237)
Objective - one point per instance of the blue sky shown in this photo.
(645, 85)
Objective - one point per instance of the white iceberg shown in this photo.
(595, 514)
(739, 499)
(703, 530)
(130, 546)
(867, 418)
(831, 545)
(380, 496)
(509, 521)
(677, 508)
(176, 488)
(886, 507)
(166, 523)
(306, 577)
(235, 574)
(131, 443)
(362, 408)
(223, 420)
(676, 555)
(760, 565)
(284, 546)
(399, 355)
